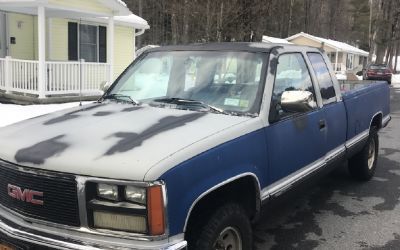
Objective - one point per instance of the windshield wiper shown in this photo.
(183, 101)
(120, 97)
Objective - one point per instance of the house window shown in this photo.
(88, 42)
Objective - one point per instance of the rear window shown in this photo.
(324, 78)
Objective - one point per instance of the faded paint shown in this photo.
(87, 5)
(38, 153)
(162, 133)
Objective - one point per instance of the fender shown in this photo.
(190, 181)
(230, 180)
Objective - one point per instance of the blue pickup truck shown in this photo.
(184, 149)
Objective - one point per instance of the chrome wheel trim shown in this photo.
(371, 154)
(228, 239)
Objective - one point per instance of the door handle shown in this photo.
(322, 124)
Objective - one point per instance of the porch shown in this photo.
(61, 78)
(65, 48)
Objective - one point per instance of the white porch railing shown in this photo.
(62, 78)
(66, 77)
(339, 67)
(23, 76)
(2, 73)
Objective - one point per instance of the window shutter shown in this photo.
(72, 41)
(102, 44)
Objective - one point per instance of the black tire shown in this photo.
(359, 165)
(227, 216)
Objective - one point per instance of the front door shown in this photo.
(296, 136)
(3, 36)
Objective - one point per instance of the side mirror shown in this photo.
(104, 86)
(297, 101)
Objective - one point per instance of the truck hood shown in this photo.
(110, 140)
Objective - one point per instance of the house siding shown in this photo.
(124, 40)
(24, 36)
(59, 39)
(123, 48)
(88, 5)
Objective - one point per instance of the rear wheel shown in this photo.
(363, 165)
(228, 228)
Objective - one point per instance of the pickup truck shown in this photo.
(184, 149)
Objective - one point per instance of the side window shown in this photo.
(293, 92)
(324, 78)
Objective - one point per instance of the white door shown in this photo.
(3, 35)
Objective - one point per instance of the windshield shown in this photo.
(227, 81)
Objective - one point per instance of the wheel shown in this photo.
(228, 228)
(363, 165)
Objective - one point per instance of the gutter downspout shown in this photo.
(140, 32)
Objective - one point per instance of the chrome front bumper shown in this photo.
(17, 230)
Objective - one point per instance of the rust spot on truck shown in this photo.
(40, 152)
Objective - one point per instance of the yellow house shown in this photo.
(62, 47)
(344, 57)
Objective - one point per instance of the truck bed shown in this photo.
(357, 96)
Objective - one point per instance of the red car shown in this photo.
(378, 72)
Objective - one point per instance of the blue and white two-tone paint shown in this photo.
(211, 123)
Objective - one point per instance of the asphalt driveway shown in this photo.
(337, 212)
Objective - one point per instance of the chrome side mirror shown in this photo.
(104, 86)
(297, 101)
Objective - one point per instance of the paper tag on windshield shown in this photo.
(232, 102)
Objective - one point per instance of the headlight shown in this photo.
(127, 207)
(107, 191)
(135, 194)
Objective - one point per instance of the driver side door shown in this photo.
(295, 138)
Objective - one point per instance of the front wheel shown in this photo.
(228, 228)
(362, 166)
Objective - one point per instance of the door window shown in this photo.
(293, 92)
(324, 78)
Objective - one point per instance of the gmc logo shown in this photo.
(26, 195)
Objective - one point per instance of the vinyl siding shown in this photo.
(123, 48)
(24, 35)
(83, 5)
(59, 39)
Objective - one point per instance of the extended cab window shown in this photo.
(324, 78)
(293, 92)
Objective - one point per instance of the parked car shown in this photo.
(188, 158)
(378, 72)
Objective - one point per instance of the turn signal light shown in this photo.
(156, 216)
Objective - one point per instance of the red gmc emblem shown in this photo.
(26, 195)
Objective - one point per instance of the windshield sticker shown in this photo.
(244, 103)
(232, 102)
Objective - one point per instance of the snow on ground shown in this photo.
(396, 80)
(12, 113)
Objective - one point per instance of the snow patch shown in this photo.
(11, 113)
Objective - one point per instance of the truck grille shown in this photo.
(60, 202)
